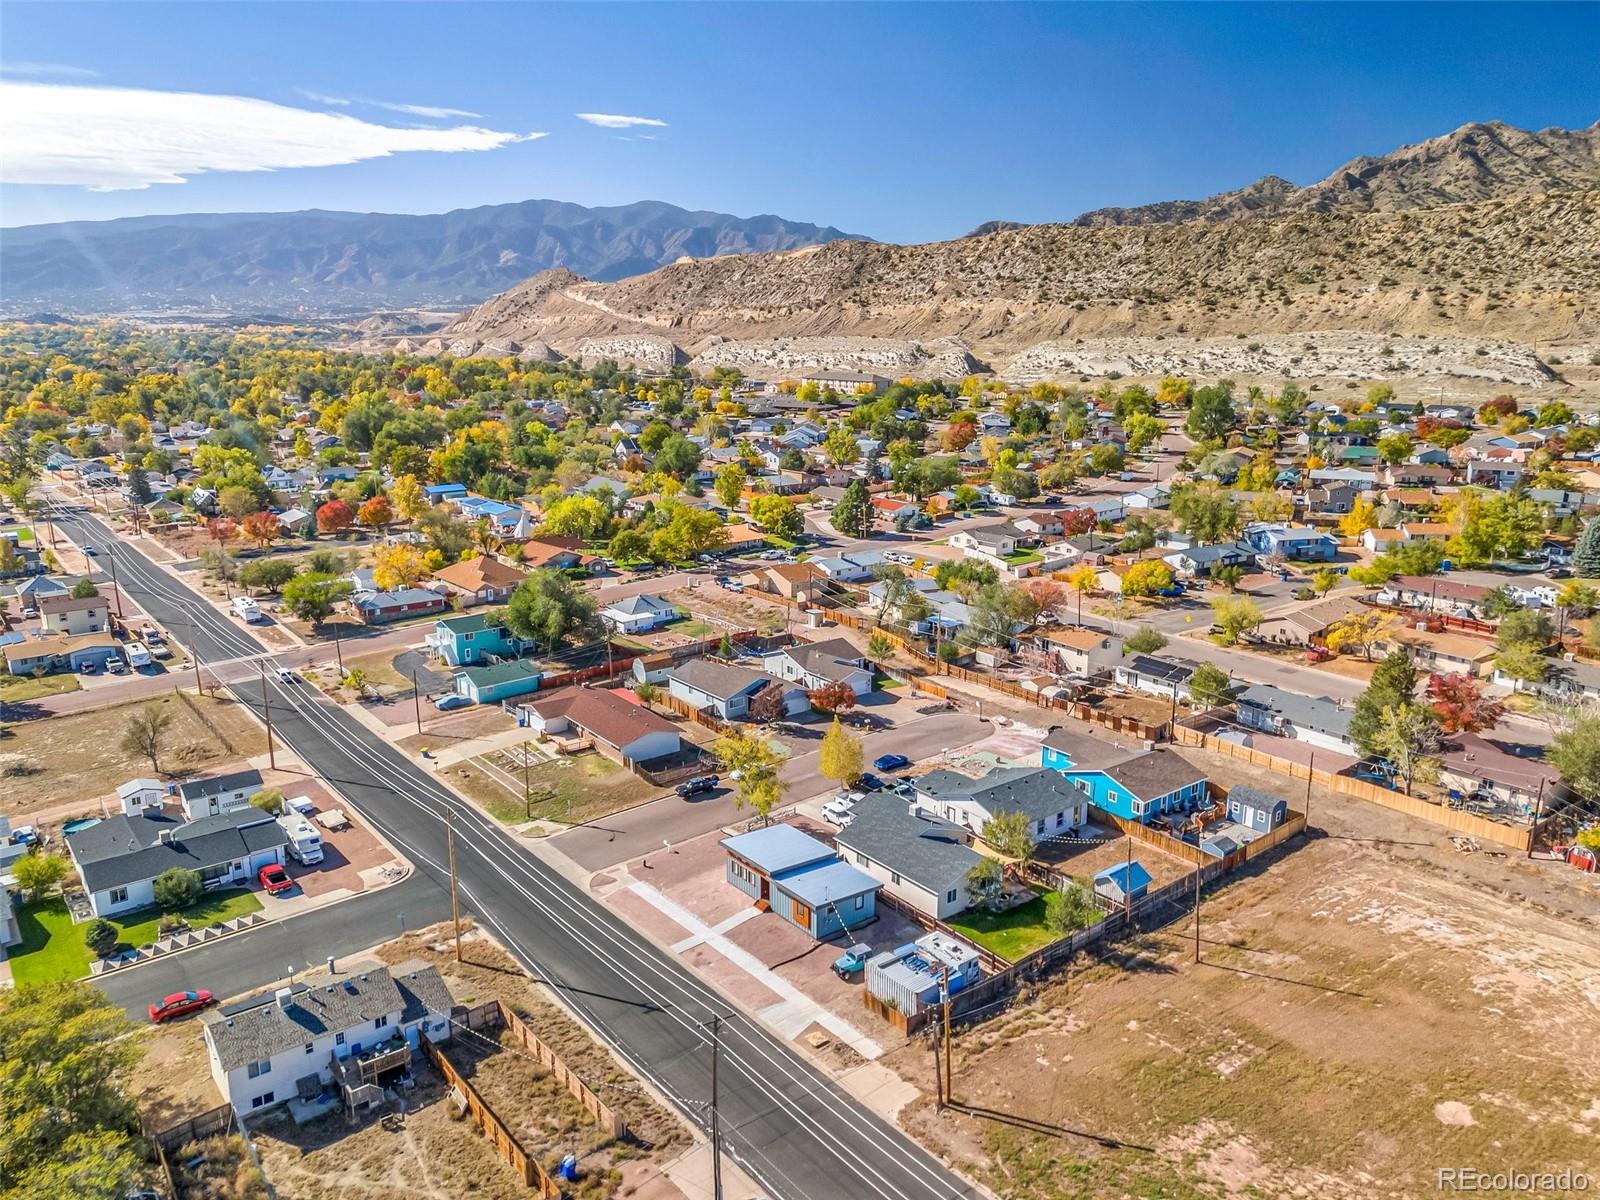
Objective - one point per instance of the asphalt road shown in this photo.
(786, 1123)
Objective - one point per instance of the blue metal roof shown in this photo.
(778, 848)
(1120, 874)
(832, 882)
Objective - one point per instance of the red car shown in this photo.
(275, 879)
(179, 1004)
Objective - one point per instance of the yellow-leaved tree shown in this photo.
(407, 497)
(840, 757)
(397, 567)
(1361, 517)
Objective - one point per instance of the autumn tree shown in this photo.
(1011, 834)
(263, 528)
(1459, 703)
(38, 872)
(1359, 631)
(396, 567)
(222, 530)
(730, 485)
(408, 497)
(377, 514)
(758, 763)
(767, 705)
(1033, 599)
(1147, 578)
(834, 696)
(841, 757)
(334, 517)
(1408, 737)
(1361, 517)
(777, 515)
(1233, 616)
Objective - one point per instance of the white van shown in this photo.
(305, 843)
(138, 655)
(247, 609)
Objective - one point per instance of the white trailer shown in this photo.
(305, 843)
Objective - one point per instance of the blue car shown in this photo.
(891, 762)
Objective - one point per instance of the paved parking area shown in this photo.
(353, 859)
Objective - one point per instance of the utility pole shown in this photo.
(527, 795)
(338, 651)
(266, 712)
(455, 903)
(1197, 913)
(1538, 812)
(949, 1082)
(1311, 769)
(716, 1119)
(416, 700)
(111, 557)
(194, 653)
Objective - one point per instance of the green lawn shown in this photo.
(52, 946)
(1019, 557)
(17, 688)
(1010, 934)
(694, 628)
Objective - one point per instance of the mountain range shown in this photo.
(334, 260)
(1465, 256)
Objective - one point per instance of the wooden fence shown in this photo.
(505, 1143)
(1481, 828)
(534, 1046)
(210, 1123)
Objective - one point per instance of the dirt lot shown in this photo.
(80, 757)
(579, 788)
(1369, 1007)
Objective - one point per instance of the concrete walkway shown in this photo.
(795, 1011)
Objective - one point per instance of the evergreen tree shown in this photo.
(852, 516)
(1394, 683)
(1586, 558)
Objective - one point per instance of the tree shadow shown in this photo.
(1046, 1128)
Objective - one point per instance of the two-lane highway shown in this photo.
(786, 1123)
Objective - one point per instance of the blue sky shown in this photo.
(904, 122)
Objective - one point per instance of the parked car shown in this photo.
(116, 666)
(693, 787)
(274, 879)
(179, 1004)
(88, 667)
(890, 762)
(30, 612)
(839, 811)
(853, 961)
(452, 701)
(733, 585)
(868, 782)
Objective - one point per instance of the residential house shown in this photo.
(1434, 593)
(1416, 474)
(58, 652)
(1158, 676)
(1080, 652)
(1380, 541)
(218, 793)
(556, 553)
(74, 615)
(295, 521)
(888, 508)
(439, 493)
(918, 858)
(1330, 500)
(1155, 495)
(1066, 749)
(498, 682)
(39, 587)
(816, 664)
(508, 522)
(1296, 542)
(1204, 560)
(743, 538)
(803, 880)
(615, 721)
(480, 580)
(1053, 805)
(1154, 784)
(1305, 623)
(475, 638)
(1361, 481)
(1427, 531)
(120, 858)
(1497, 473)
(355, 1029)
(989, 542)
(639, 614)
(380, 608)
(1315, 720)
(725, 690)
(1568, 681)
(848, 568)
(1476, 768)
(1443, 653)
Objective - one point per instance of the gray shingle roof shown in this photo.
(123, 849)
(259, 1027)
(921, 848)
(1036, 791)
(1316, 713)
(1155, 773)
(833, 659)
(1087, 753)
(719, 679)
(215, 785)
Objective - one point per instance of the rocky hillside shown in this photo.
(333, 260)
(1476, 162)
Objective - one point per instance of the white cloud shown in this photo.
(614, 121)
(111, 139)
(52, 70)
(433, 112)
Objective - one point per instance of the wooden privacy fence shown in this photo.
(210, 1123)
(499, 1135)
(493, 1014)
(1485, 830)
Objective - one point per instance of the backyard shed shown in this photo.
(1123, 882)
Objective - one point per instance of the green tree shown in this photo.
(145, 729)
(1394, 448)
(314, 595)
(1394, 683)
(757, 763)
(678, 457)
(549, 609)
(1408, 737)
(841, 756)
(1522, 661)
(1206, 512)
(1011, 834)
(879, 647)
(100, 936)
(1210, 686)
(268, 800)
(1234, 616)
(66, 1127)
(1211, 413)
(628, 546)
(777, 515)
(986, 884)
(1586, 556)
(1525, 627)
(840, 446)
(1146, 639)
(730, 485)
(84, 589)
(268, 573)
(852, 515)
(1069, 910)
(1229, 576)
(1575, 753)
(1142, 430)
(37, 872)
(177, 888)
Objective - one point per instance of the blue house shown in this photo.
(503, 681)
(438, 493)
(1153, 784)
(1122, 883)
(469, 640)
(1257, 810)
(1293, 542)
(801, 879)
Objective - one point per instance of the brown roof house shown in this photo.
(615, 721)
(480, 580)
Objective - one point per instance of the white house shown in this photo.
(219, 793)
(1054, 805)
(725, 690)
(120, 858)
(1315, 720)
(352, 1028)
(918, 858)
(816, 664)
(629, 731)
(635, 614)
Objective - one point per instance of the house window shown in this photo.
(1061, 819)
(802, 913)
(380, 1022)
(1040, 828)
(338, 1039)
(257, 1069)
(861, 859)
(262, 1100)
(1140, 807)
(861, 903)
(950, 896)
(894, 876)
(309, 1047)
(119, 895)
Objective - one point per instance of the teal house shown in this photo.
(466, 641)
(502, 681)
